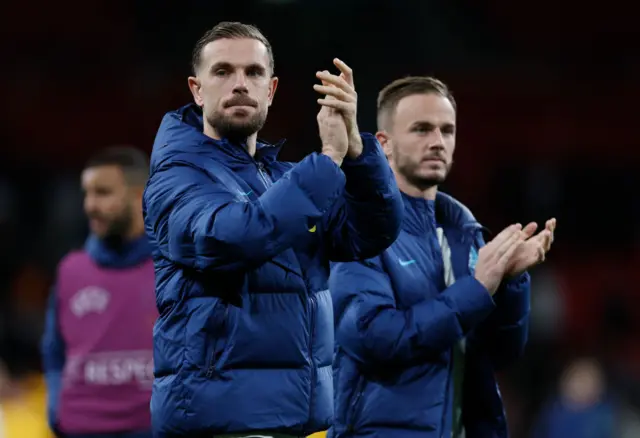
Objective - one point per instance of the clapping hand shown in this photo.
(341, 97)
(533, 249)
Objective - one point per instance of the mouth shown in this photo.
(433, 160)
(240, 104)
(96, 222)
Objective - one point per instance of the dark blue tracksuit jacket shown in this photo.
(397, 323)
(53, 346)
(242, 245)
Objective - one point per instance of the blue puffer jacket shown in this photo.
(244, 341)
(397, 324)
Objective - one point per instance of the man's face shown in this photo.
(422, 139)
(582, 383)
(234, 86)
(108, 201)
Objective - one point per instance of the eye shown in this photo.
(448, 130)
(102, 191)
(220, 72)
(255, 72)
(422, 128)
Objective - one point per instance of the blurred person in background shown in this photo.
(98, 346)
(242, 244)
(583, 407)
(421, 329)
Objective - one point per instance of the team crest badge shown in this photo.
(473, 259)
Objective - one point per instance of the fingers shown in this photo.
(546, 238)
(540, 245)
(551, 226)
(542, 253)
(346, 72)
(528, 231)
(326, 84)
(343, 107)
(507, 249)
(505, 234)
(514, 235)
(336, 81)
(334, 92)
(338, 90)
(326, 110)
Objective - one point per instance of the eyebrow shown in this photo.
(425, 123)
(228, 66)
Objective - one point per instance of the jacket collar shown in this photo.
(181, 131)
(423, 215)
(419, 215)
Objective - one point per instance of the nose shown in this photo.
(436, 140)
(90, 205)
(240, 85)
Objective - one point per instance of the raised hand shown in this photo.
(341, 96)
(494, 257)
(333, 132)
(533, 250)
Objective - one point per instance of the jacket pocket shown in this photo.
(219, 352)
(354, 404)
(218, 344)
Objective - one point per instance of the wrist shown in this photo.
(513, 272)
(355, 145)
(335, 157)
(516, 277)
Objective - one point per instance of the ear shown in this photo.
(273, 85)
(385, 141)
(194, 87)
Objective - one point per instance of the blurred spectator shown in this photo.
(582, 409)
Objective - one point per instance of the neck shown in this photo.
(118, 252)
(251, 141)
(117, 241)
(410, 189)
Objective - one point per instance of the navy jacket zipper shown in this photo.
(266, 180)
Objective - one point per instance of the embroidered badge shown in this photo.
(473, 259)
